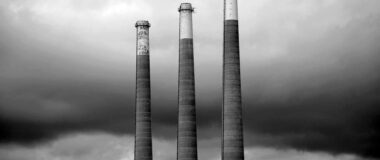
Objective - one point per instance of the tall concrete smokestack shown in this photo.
(187, 127)
(143, 136)
(232, 142)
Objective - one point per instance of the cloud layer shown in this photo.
(110, 147)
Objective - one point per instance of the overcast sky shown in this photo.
(310, 78)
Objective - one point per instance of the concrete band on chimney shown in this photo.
(142, 37)
(143, 135)
(230, 10)
(232, 134)
(187, 127)
(186, 21)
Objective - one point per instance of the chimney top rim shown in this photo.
(185, 6)
(142, 23)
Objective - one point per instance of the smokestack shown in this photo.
(143, 136)
(187, 127)
(232, 142)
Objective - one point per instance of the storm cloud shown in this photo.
(310, 76)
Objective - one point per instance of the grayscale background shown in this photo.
(310, 78)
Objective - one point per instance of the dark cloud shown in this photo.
(323, 94)
(309, 71)
(62, 109)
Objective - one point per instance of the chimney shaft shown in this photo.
(232, 134)
(187, 128)
(143, 136)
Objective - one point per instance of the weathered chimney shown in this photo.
(143, 136)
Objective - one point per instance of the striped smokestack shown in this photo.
(143, 136)
(232, 141)
(187, 127)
